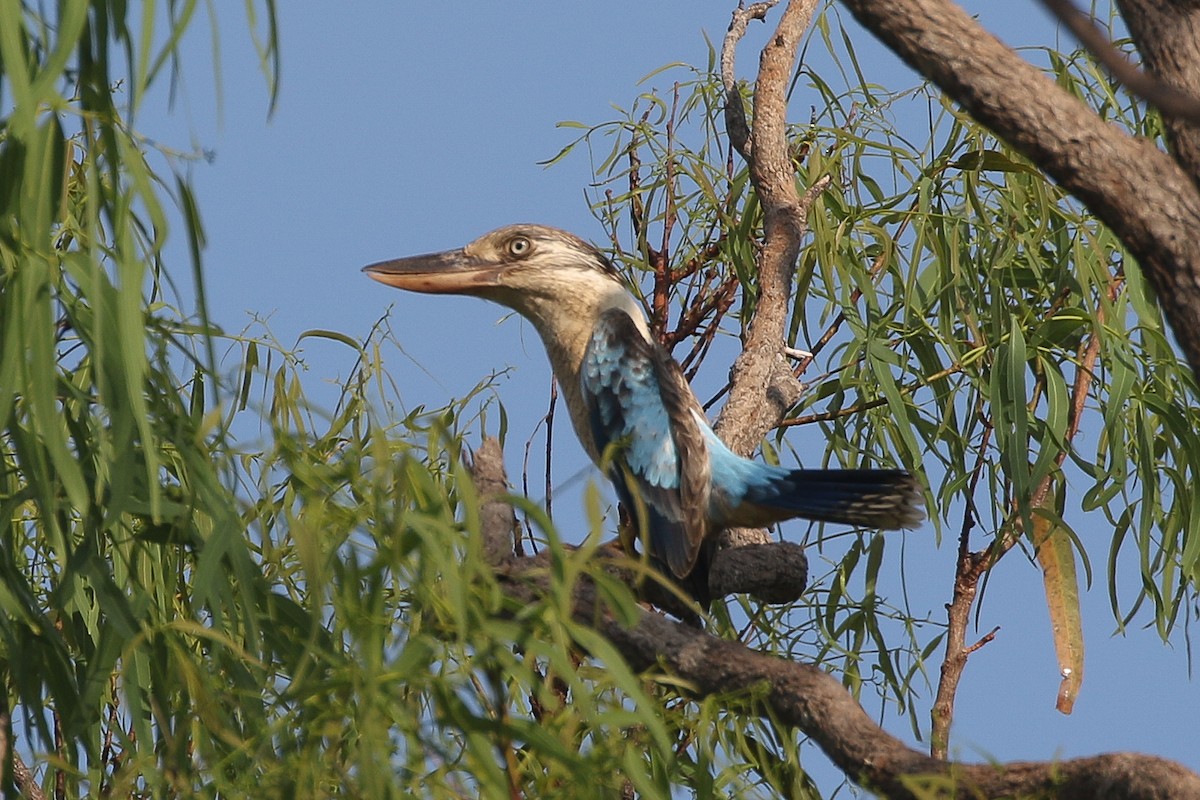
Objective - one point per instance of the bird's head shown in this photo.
(516, 265)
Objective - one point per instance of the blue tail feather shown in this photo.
(752, 494)
(869, 498)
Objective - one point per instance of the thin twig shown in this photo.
(550, 448)
(958, 612)
(1165, 98)
(826, 416)
(699, 310)
(637, 211)
(706, 256)
(987, 637)
(662, 266)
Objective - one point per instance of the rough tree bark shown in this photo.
(761, 386)
(804, 696)
(1167, 34)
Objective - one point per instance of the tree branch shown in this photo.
(1138, 191)
(1162, 96)
(735, 113)
(799, 695)
(815, 703)
(969, 566)
(762, 388)
(1167, 34)
(497, 521)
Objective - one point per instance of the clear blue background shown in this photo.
(405, 128)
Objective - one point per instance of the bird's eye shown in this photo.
(519, 246)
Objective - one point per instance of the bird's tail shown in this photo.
(868, 498)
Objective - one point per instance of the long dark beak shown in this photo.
(451, 272)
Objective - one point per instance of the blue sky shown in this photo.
(403, 129)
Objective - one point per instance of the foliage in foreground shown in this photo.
(184, 613)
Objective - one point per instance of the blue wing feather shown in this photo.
(679, 481)
(633, 422)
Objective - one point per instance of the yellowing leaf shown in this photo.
(1057, 560)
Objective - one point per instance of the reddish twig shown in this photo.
(987, 637)
(968, 568)
(971, 566)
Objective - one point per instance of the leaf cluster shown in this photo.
(210, 586)
(956, 314)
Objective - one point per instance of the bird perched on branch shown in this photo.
(632, 408)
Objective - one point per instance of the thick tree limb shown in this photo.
(809, 699)
(1167, 34)
(762, 388)
(775, 572)
(1138, 191)
(497, 520)
(803, 696)
(1166, 98)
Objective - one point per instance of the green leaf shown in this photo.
(992, 161)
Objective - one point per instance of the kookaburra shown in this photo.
(632, 408)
